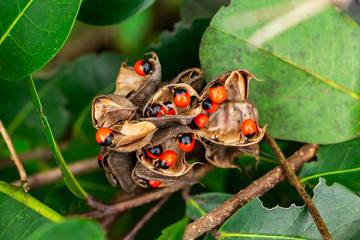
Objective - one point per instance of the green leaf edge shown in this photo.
(69, 178)
(20, 195)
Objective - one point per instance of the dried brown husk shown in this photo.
(143, 182)
(192, 77)
(224, 125)
(118, 167)
(236, 83)
(108, 110)
(168, 138)
(132, 135)
(143, 172)
(222, 156)
(183, 115)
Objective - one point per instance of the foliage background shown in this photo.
(88, 63)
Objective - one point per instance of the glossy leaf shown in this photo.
(338, 207)
(201, 204)
(31, 33)
(110, 12)
(336, 163)
(311, 89)
(17, 220)
(174, 231)
(71, 229)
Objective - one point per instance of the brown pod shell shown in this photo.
(224, 125)
(110, 109)
(143, 172)
(192, 77)
(168, 138)
(119, 168)
(221, 156)
(236, 83)
(142, 182)
(183, 115)
(132, 135)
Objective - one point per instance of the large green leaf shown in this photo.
(338, 206)
(31, 33)
(17, 221)
(110, 11)
(72, 229)
(336, 163)
(174, 231)
(311, 90)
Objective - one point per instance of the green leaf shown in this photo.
(110, 12)
(69, 178)
(310, 91)
(201, 204)
(191, 9)
(178, 50)
(31, 33)
(174, 231)
(17, 221)
(71, 229)
(338, 207)
(18, 194)
(336, 163)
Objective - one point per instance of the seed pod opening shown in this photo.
(192, 77)
(108, 110)
(165, 97)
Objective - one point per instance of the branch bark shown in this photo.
(15, 158)
(293, 179)
(260, 186)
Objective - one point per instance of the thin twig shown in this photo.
(15, 158)
(297, 184)
(219, 215)
(52, 175)
(146, 218)
(142, 199)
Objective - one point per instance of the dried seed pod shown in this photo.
(108, 110)
(192, 77)
(132, 135)
(224, 125)
(141, 173)
(119, 167)
(236, 83)
(168, 139)
(184, 115)
(139, 88)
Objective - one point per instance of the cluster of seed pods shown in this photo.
(149, 129)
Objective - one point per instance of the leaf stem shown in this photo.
(69, 178)
(15, 158)
(18, 194)
(290, 173)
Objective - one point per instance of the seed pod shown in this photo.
(164, 95)
(141, 173)
(168, 138)
(132, 135)
(192, 77)
(119, 168)
(110, 109)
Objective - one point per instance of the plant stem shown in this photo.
(69, 178)
(15, 158)
(296, 183)
(28, 200)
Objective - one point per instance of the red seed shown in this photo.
(154, 183)
(217, 93)
(186, 142)
(201, 120)
(249, 128)
(167, 159)
(104, 136)
(142, 67)
(182, 98)
(209, 106)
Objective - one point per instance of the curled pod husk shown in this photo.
(139, 88)
(143, 173)
(119, 167)
(222, 156)
(132, 135)
(183, 115)
(108, 110)
(143, 182)
(224, 125)
(168, 139)
(192, 77)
